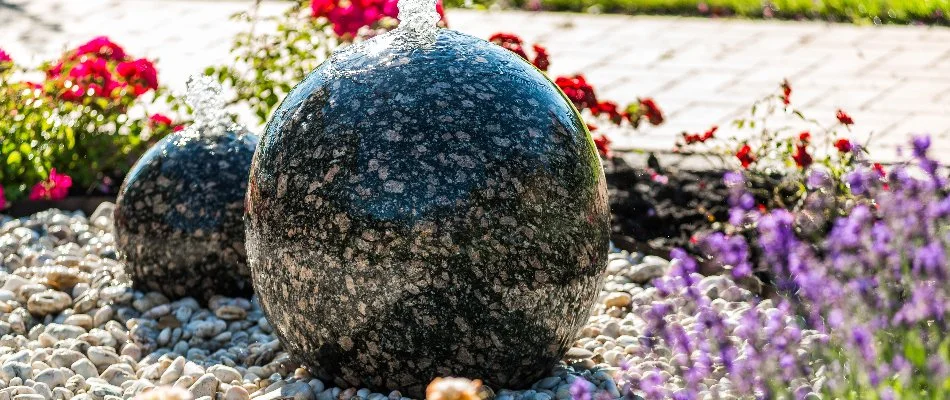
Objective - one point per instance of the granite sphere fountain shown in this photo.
(179, 215)
(426, 204)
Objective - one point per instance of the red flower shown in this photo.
(591, 127)
(541, 60)
(844, 118)
(511, 42)
(691, 138)
(321, 8)
(140, 74)
(651, 111)
(603, 145)
(156, 121)
(608, 108)
(880, 170)
(90, 77)
(801, 156)
(53, 188)
(745, 155)
(355, 14)
(577, 90)
(843, 145)
(102, 47)
(786, 92)
(4, 57)
(804, 137)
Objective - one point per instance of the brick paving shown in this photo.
(894, 80)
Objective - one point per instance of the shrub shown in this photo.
(86, 121)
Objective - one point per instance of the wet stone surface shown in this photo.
(179, 215)
(420, 212)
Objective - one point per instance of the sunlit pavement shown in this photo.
(893, 80)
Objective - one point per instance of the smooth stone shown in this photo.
(85, 368)
(179, 214)
(206, 385)
(102, 356)
(576, 353)
(48, 302)
(236, 393)
(457, 183)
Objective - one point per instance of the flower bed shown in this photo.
(857, 11)
(78, 130)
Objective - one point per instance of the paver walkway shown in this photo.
(894, 80)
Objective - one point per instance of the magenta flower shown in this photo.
(103, 47)
(3, 199)
(4, 57)
(55, 187)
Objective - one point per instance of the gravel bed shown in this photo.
(72, 327)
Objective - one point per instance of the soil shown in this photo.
(653, 216)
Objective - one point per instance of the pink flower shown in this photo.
(55, 187)
(4, 57)
(3, 199)
(103, 47)
(92, 74)
(140, 74)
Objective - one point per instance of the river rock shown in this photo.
(447, 200)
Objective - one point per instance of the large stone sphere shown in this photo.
(179, 216)
(421, 212)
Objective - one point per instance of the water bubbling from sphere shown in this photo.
(419, 18)
(204, 97)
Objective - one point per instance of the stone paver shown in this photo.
(893, 80)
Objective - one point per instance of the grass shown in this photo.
(935, 12)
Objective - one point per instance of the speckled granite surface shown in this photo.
(418, 212)
(179, 215)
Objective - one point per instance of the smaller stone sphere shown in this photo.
(179, 216)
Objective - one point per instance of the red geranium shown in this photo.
(651, 111)
(101, 47)
(541, 60)
(609, 109)
(577, 90)
(804, 137)
(844, 118)
(139, 74)
(843, 145)
(745, 155)
(801, 156)
(786, 92)
(603, 145)
(347, 17)
(156, 121)
(509, 41)
(55, 187)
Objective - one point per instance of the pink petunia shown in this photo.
(55, 187)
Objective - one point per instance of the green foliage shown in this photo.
(268, 65)
(858, 11)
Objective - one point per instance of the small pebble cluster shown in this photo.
(72, 327)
